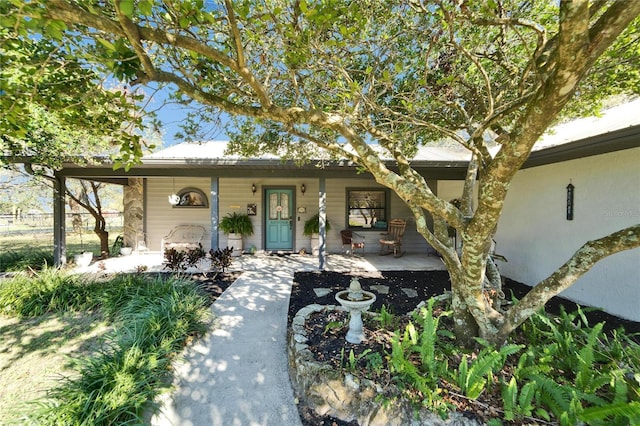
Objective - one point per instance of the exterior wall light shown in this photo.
(303, 189)
(253, 188)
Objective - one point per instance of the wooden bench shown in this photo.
(183, 237)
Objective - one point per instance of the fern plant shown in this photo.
(607, 414)
(429, 338)
(385, 318)
(518, 403)
(407, 375)
(473, 378)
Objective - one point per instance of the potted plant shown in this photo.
(312, 228)
(236, 225)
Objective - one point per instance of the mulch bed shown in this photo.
(215, 284)
(425, 283)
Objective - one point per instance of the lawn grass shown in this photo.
(34, 250)
(101, 349)
(36, 352)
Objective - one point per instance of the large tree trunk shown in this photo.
(464, 324)
(95, 209)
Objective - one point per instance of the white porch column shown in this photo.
(322, 210)
(215, 212)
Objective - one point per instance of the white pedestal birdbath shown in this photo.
(356, 301)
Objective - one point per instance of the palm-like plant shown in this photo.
(235, 223)
(312, 225)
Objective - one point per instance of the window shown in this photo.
(367, 208)
(192, 197)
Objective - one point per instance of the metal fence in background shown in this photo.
(44, 222)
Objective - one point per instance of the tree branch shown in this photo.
(564, 277)
(235, 34)
(134, 37)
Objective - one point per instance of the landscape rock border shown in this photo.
(330, 391)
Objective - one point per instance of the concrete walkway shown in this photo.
(238, 373)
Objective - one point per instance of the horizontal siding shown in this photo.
(235, 194)
(161, 217)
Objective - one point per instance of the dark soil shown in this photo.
(425, 283)
(214, 285)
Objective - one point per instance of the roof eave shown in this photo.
(617, 140)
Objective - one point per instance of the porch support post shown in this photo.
(215, 212)
(322, 210)
(133, 201)
(59, 238)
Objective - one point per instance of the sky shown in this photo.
(173, 115)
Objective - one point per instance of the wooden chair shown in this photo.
(392, 239)
(352, 240)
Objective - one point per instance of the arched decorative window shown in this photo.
(192, 197)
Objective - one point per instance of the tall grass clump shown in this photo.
(19, 260)
(45, 291)
(152, 320)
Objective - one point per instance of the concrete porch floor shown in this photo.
(260, 261)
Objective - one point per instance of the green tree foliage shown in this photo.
(51, 102)
(301, 75)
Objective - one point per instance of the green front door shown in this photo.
(279, 220)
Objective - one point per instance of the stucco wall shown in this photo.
(536, 238)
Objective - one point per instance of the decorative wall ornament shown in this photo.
(174, 199)
(570, 205)
(190, 197)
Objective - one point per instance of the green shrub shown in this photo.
(153, 319)
(49, 290)
(577, 372)
(19, 260)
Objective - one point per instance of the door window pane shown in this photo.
(273, 206)
(284, 203)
